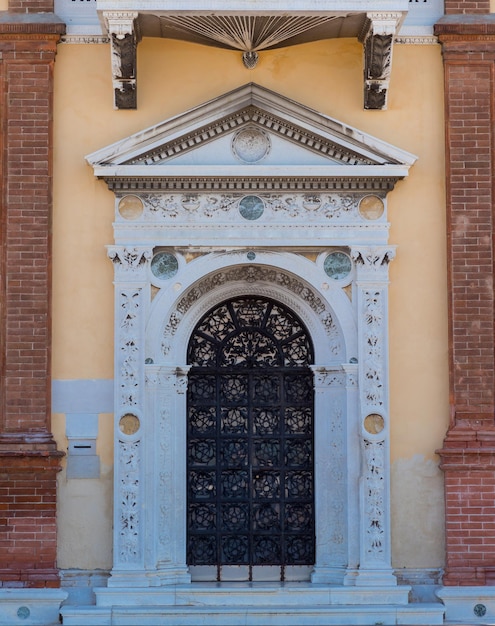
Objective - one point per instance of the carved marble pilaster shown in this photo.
(121, 27)
(166, 388)
(130, 265)
(330, 475)
(377, 39)
(353, 437)
(373, 427)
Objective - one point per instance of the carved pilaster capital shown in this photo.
(168, 377)
(351, 375)
(372, 261)
(181, 379)
(325, 378)
(130, 263)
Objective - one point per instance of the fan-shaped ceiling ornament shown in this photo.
(249, 33)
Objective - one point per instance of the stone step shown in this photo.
(253, 594)
(243, 615)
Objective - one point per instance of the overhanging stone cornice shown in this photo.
(252, 28)
(293, 178)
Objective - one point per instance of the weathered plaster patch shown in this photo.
(418, 539)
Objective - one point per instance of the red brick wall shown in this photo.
(27, 72)
(468, 454)
(27, 521)
(29, 460)
(467, 6)
(31, 6)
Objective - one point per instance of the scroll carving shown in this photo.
(374, 497)
(252, 274)
(124, 40)
(129, 471)
(129, 304)
(373, 346)
(377, 39)
(165, 481)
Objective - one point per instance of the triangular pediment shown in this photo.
(251, 131)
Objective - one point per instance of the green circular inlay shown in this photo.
(337, 265)
(164, 265)
(23, 612)
(479, 610)
(251, 207)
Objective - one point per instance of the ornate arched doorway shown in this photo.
(250, 443)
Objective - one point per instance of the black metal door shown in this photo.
(250, 438)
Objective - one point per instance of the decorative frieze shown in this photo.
(214, 208)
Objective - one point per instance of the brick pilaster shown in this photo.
(468, 454)
(29, 460)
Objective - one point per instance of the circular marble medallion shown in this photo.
(130, 207)
(129, 424)
(250, 145)
(371, 207)
(374, 423)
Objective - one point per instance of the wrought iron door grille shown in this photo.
(250, 437)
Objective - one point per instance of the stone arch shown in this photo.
(294, 281)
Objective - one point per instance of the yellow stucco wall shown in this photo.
(173, 77)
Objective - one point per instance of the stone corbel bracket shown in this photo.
(377, 38)
(124, 36)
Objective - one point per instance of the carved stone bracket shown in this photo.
(377, 38)
(122, 30)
